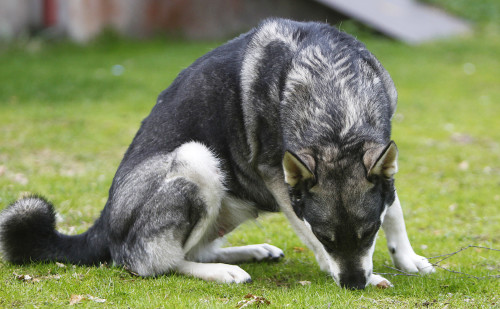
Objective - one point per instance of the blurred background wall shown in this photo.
(81, 20)
(411, 21)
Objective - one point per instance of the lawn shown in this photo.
(68, 113)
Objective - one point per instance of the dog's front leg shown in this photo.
(249, 253)
(399, 246)
(305, 234)
(222, 273)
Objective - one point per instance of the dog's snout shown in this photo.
(353, 280)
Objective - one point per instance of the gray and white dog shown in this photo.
(292, 117)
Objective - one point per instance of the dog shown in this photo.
(292, 117)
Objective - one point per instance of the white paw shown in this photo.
(411, 262)
(265, 252)
(379, 282)
(224, 273)
(248, 253)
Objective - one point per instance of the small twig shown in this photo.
(393, 274)
(448, 255)
(436, 264)
(465, 274)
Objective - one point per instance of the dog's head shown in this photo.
(342, 196)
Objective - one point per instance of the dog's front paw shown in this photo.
(412, 262)
(262, 252)
(224, 273)
(379, 282)
(233, 255)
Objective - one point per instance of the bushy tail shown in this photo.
(27, 233)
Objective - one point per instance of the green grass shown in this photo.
(66, 120)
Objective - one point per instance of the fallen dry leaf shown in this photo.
(75, 299)
(28, 278)
(252, 300)
(305, 282)
(298, 249)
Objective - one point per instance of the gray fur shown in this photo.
(291, 117)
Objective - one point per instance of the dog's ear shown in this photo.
(382, 161)
(297, 169)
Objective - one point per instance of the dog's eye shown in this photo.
(296, 196)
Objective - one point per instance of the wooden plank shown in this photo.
(405, 20)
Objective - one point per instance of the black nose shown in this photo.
(355, 280)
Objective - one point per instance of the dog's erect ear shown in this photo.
(297, 169)
(382, 161)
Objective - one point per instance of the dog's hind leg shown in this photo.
(165, 206)
(399, 246)
(149, 240)
(156, 241)
(164, 240)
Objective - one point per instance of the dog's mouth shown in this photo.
(349, 271)
(354, 280)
